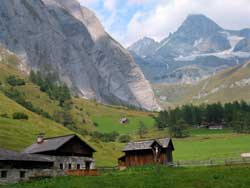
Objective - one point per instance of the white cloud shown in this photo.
(169, 14)
(110, 5)
(165, 16)
(138, 1)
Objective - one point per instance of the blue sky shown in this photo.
(130, 20)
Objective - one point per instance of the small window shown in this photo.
(22, 174)
(70, 166)
(78, 166)
(61, 166)
(4, 174)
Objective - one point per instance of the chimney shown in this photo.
(40, 138)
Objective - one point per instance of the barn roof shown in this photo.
(52, 144)
(146, 144)
(8, 155)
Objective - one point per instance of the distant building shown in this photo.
(124, 121)
(158, 151)
(213, 126)
(48, 157)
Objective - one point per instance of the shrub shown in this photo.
(20, 115)
(179, 130)
(4, 115)
(142, 130)
(96, 124)
(124, 138)
(64, 117)
(105, 137)
(14, 81)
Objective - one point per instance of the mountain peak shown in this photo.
(199, 24)
(144, 46)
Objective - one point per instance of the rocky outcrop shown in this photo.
(62, 37)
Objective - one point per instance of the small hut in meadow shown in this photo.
(124, 120)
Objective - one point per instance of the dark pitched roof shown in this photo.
(146, 144)
(51, 144)
(8, 155)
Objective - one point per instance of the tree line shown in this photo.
(235, 115)
(50, 85)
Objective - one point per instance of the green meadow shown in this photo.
(154, 177)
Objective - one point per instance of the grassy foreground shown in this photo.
(154, 177)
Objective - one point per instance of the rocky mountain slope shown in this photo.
(195, 51)
(144, 47)
(61, 37)
(226, 86)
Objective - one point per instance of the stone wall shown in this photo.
(74, 161)
(14, 175)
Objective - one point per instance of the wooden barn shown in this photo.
(158, 151)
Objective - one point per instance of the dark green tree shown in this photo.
(142, 129)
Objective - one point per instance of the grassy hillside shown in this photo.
(17, 134)
(226, 86)
(153, 177)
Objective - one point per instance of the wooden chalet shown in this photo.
(48, 157)
(68, 152)
(158, 151)
(68, 145)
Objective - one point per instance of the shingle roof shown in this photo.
(146, 144)
(50, 144)
(8, 155)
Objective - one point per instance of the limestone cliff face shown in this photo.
(61, 36)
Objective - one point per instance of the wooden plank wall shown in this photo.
(82, 173)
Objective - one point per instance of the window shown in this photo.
(61, 166)
(78, 166)
(70, 166)
(22, 174)
(3, 174)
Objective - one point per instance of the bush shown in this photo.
(4, 115)
(179, 130)
(64, 117)
(20, 115)
(14, 81)
(124, 138)
(142, 130)
(105, 137)
(95, 124)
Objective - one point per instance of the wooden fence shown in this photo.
(213, 162)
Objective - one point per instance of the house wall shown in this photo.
(13, 175)
(76, 147)
(143, 157)
(74, 161)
